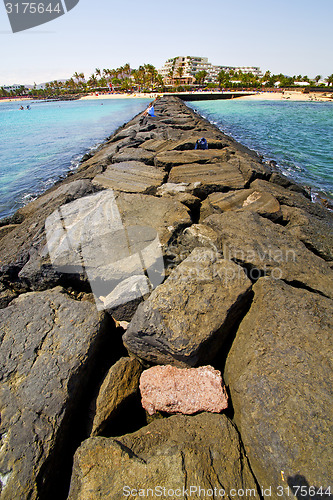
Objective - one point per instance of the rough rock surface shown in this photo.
(246, 199)
(278, 372)
(202, 450)
(315, 232)
(212, 177)
(27, 239)
(267, 248)
(188, 317)
(49, 343)
(120, 383)
(182, 390)
(170, 159)
(130, 177)
(291, 198)
(85, 231)
(134, 154)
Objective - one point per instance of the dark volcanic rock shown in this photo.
(279, 371)
(49, 347)
(173, 453)
(27, 240)
(266, 248)
(188, 317)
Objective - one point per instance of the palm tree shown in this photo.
(180, 71)
(329, 80)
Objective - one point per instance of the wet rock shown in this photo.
(189, 316)
(102, 157)
(182, 390)
(246, 199)
(129, 131)
(201, 450)
(131, 177)
(265, 248)
(212, 177)
(315, 232)
(134, 154)
(278, 372)
(120, 383)
(50, 345)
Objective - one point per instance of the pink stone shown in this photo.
(182, 390)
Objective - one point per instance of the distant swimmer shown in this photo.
(28, 107)
(21, 107)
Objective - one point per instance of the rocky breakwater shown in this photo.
(154, 253)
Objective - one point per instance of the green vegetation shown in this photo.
(147, 79)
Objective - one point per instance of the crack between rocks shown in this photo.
(301, 286)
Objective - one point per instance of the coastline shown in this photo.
(278, 95)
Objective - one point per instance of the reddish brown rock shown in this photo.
(182, 390)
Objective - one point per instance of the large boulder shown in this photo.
(247, 199)
(187, 318)
(265, 248)
(278, 371)
(24, 241)
(51, 348)
(168, 159)
(168, 457)
(212, 177)
(291, 198)
(88, 238)
(131, 177)
(134, 154)
(315, 232)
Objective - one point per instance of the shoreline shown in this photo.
(278, 95)
(317, 196)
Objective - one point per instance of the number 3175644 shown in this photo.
(32, 8)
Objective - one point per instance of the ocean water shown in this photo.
(39, 146)
(297, 135)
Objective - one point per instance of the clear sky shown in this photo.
(288, 36)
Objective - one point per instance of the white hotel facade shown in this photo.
(192, 65)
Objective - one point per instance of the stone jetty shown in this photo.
(155, 253)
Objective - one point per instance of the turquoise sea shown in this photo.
(39, 146)
(297, 135)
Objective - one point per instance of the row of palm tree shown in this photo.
(238, 78)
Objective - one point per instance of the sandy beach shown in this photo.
(290, 95)
(135, 95)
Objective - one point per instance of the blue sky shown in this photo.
(288, 36)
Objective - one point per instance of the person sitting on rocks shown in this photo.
(201, 144)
